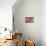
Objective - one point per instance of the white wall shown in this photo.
(43, 22)
(31, 8)
(6, 13)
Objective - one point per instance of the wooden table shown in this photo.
(18, 39)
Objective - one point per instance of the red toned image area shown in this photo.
(29, 19)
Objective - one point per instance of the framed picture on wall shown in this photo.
(29, 19)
